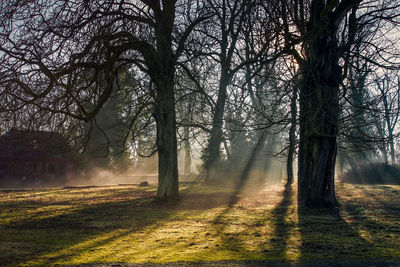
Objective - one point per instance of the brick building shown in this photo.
(33, 158)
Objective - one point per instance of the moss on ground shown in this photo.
(123, 224)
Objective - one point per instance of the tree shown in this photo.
(317, 26)
(225, 31)
(321, 36)
(49, 47)
(292, 135)
(105, 137)
(228, 23)
(358, 73)
(389, 93)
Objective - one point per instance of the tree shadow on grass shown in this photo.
(88, 227)
(56, 236)
(326, 238)
(275, 247)
(221, 222)
(323, 237)
(228, 218)
(280, 239)
(46, 239)
(283, 228)
(376, 217)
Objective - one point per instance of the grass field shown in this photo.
(122, 224)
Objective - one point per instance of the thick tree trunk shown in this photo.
(168, 187)
(163, 75)
(319, 113)
(292, 137)
(317, 150)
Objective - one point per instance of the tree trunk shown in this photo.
(292, 137)
(384, 154)
(382, 144)
(168, 187)
(317, 152)
(188, 156)
(357, 85)
(389, 127)
(392, 151)
(163, 75)
(340, 163)
(214, 143)
(319, 113)
(391, 143)
(251, 160)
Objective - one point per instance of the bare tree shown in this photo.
(319, 34)
(389, 92)
(225, 32)
(59, 56)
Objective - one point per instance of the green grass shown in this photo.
(123, 224)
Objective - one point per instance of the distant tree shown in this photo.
(224, 30)
(357, 141)
(389, 94)
(225, 33)
(292, 135)
(106, 137)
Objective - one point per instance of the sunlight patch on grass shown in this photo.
(81, 252)
(121, 224)
(365, 235)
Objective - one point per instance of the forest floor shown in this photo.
(121, 226)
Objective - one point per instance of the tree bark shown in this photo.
(163, 75)
(168, 187)
(319, 113)
(230, 23)
(384, 154)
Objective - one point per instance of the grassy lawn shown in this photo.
(122, 224)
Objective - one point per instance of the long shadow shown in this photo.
(279, 241)
(243, 177)
(276, 245)
(327, 239)
(385, 199)
(93, 225)
(87, 227)
(231, 242)
(377, 217)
